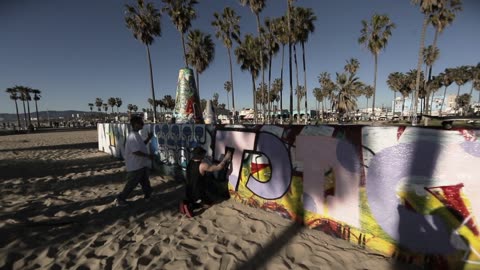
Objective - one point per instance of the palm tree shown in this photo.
(374, 36)
(474, 76)
(91, 106)
(98, 104)
(441, 19)
(144, 22)
(305, 28)
(394, 82)
(182, 13)
(412, 84)
(352, 65)
(318, 94)
(228, 86)
(201, 51)
(275, 92)
(272, 47)
(23, 91)
(13, 92)
(300, 92)
(460, 77)
(135, 108)
(294, 33)
(328, 86)
(476, 86)
(289, 35)
(247, 56)
(428, 8)
(130, 107)
(36, 96)
(430, 56)
(118, 102)
(280, 28)
(112, 102)
(168, 102)
(228, 29)
(434, 85)
(105, 107)
(348, 85)
(446, 79)
(256, 7)
(367, 91)
(405, 86)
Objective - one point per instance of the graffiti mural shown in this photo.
(409, 193)
(187, 103)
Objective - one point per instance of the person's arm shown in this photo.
(204, 167)
(149, 136)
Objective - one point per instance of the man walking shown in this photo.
(137, 162)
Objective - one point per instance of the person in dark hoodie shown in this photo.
(197, 180)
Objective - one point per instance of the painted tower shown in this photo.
(187, 101)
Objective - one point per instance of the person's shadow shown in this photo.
(435, 238)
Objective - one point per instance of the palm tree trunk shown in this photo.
(151, 84)
(254, 100)
(305, 81)
(431, 103)
(458, 91)
(24, 113)
(281, 80)
(367, 104)
(262, 65)
(419, 68)
(29, 116)
(298, 83)
(184, 50)
(269, 85)
(231, 81)
(394, 99)
(228, 104)
(198, 83)
(38, 118)
(443, 101)
(471, 93)
(18, 115)
(427, 90)
(374, 85)
(323, 107)
(403, 106)
(290, 60)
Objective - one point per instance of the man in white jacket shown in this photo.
(137, 162)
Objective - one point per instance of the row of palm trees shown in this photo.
(254, 53)
(112, 102)
(25, 94)
(404, 83)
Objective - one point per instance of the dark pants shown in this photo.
(133, 179)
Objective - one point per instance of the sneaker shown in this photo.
(188, 212)
(120, 202)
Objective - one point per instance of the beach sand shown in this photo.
(57, 212)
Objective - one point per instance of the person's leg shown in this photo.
(145, 182)
(133, 178)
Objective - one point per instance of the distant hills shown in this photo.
(11, 117)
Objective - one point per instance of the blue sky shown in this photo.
(75, 51)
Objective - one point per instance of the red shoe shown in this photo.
(182, 209)
(188, 212)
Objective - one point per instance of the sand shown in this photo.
(57, 212)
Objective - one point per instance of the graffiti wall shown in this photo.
(410, 193)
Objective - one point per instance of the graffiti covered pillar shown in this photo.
(187, 101)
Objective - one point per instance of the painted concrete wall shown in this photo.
(410, 193)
